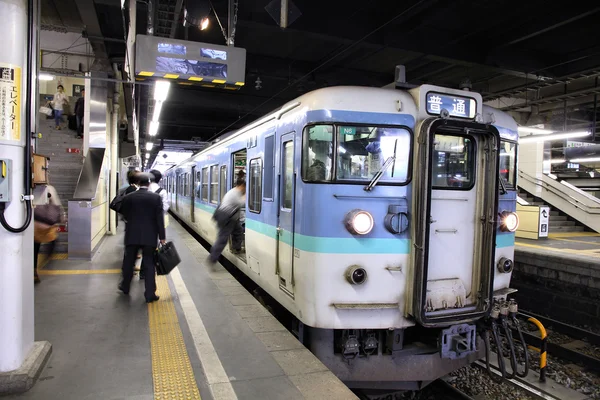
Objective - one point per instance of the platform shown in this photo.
(206, 337)
(560, 276)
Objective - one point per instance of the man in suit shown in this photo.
(143, 211)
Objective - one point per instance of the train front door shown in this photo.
(457, 213)
(285, 227)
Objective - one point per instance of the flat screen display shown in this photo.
(191, 67)
(213, 54)
(169, 48)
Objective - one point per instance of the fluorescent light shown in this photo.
(157, 109)
(149, 146)
(526, 129)
(161, 90)
(147, 155)
(556, 136)
(153, 130)
(557, 161)
(204, 23)
(584, 160)
(45, 77)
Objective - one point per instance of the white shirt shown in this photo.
(59, 100)
(233, 200)
(163, 194)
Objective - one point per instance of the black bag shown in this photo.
(72, 122)
(222, 217)
(48, 214)
(115, 204)
(166, 258)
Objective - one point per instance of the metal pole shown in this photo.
(595, 111)
(543, 349)
(114, 165)
(150, 27)
(230, 22)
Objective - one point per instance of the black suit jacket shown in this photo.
(143, 211)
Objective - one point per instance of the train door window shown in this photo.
(317, 164)
(255, 185)
(214, 184)
(269, 169)
(198, 181)
(204, 193)
(223, 182)
(288, 174)
(187, 185)
(453, 162)
(508, 162)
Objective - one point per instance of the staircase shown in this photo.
(559, 222)
(64, 167)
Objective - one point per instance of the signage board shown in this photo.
(457, 106)
(189, 61)
(544, 220)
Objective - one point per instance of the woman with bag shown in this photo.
(45, 229)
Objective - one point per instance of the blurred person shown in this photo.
(45, 228)
(143, 211)
(60, 99)
(79, 112)
(227, 217)
(154, 187)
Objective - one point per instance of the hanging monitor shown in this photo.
(208, 64)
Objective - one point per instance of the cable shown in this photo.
(319, 67)
(27, 160)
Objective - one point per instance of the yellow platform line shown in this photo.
(78, 271)
(172, 371)
(567, 251)
(43, 260)
(572, 234)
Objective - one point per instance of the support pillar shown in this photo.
(21, 359)
(114, 165)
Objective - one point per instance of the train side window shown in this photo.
(317, 153)
(214, 184)
(255, 186)
(204, 194)
(269, 168)
(198, 180)
(187, 185)
(223, 182)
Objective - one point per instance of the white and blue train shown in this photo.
(382, 219)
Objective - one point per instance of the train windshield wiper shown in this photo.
(390, 161)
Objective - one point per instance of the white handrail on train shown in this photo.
(569, 199)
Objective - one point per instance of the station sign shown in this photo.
(457, 106)
(544, 221)
(194, 62)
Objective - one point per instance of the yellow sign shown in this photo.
(10, 102)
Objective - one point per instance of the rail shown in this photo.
(577, 203)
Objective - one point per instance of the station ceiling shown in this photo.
(535, 58)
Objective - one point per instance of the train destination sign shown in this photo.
(457, 106)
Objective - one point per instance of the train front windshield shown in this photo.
(361, 153)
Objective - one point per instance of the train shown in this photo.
(382, 219)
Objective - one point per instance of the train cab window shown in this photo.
(363, 151)
(453, 162)
(255, 186)
(317, 163)
(214, 184)
(508, 163)
(204, 191)
(223, 182)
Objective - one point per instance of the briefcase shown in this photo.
(166, 258)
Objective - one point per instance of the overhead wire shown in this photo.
(343, 51)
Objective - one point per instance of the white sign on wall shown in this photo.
(544, 221)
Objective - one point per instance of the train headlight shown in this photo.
(509, 221)
(359, 222)
(356, 275)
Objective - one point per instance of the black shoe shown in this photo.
(123, 290)
(142, 276)
(155, 298)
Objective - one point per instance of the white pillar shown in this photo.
(114, 165)
(16, 271)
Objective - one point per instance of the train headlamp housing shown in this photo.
(359, 222)
(509, 221)
(356, 275)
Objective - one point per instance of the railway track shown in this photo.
(572, 348)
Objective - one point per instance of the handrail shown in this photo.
(545, 186)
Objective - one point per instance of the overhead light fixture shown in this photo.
(538, 131)
(153, 130)
(45, 77)
(204, 23)
(149, 146)
(556, 136)
(147, 156)
(557, 161)
(584, 160)
(161, 90)
(157, 110)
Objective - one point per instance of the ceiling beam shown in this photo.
(87, 11)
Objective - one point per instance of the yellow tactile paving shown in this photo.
(78, 271)
(43, 259)
(571, 234)
(567, 251)
(172, 371)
